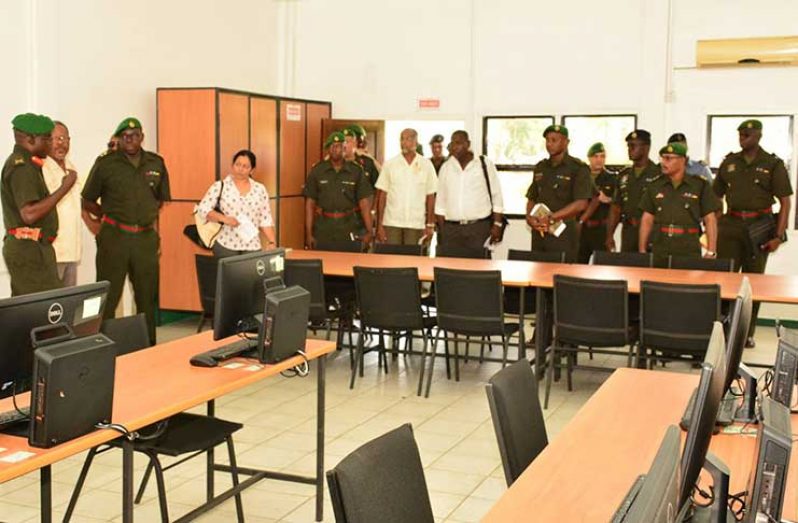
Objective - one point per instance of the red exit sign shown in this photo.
(429, 103)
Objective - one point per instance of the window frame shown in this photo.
(612, 167)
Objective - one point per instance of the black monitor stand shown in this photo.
(746, 413)
(718, 511)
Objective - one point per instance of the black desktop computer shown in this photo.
(784, 372)
(284, 326)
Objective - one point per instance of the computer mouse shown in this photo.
(203, 360)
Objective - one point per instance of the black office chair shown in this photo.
(406, 250)
(381, 481)
(341, 246)
(206, 283)
(389, 301)
(676, 320)
(588, 313)
(181, 434)
(696, 263)
(470, 304)
(517, 417)
(623, 259)
(456, 251)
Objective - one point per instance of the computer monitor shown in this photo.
(740, 321)
(81, 308)
(702, 421)
(657, 500)
(241, 285)
(784, 371)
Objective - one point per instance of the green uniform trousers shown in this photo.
(567, 242)
(592, 239)
(31, 265)
(337, 229)
(630, 237)
(121, 253)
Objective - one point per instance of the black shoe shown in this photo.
(750, 343)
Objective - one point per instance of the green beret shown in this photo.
(34, 124)
(639, 134)
(355, 130)
(750, 124)
(677, 148)
(438, 138)
(336, 137)
(563, 130)
(596, 148)
(127, 123)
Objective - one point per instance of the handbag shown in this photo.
(202, 232)
(490, 196)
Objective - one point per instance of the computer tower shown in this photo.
(73, 389)
(769, 474)
(284, 327)
(785, 369)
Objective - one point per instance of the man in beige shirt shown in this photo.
(406, 197)
(67, 244)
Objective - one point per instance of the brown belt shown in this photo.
(594, 223)
(678, 231)
(125, 227)
(338, 215)
(29, 233)
(751, 214)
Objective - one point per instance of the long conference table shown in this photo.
(522, 274)
(585, 472)
(153, 384)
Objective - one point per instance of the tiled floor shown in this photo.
(452, 427)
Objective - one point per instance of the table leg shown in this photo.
(543, 326)
(45, 491)
(210, 458)
(127, 481)
(320, 389)
(521, 336)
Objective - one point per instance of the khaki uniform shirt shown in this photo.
(558, 185)
(337, 191)
(752, 187)
(23, 183)
(630, 189)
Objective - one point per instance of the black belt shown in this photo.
(468, 222)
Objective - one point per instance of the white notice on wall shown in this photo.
(293, 112)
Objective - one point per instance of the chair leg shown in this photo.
(569, 367)
(505, 348)
(590, 352)
(482, 350)
(357, 360)
(161, 486)
(432, 362)
(456, 359)
(549, 376)
(234, 476)
(423, 362)
(467, 347)
(201, 322)
(446, 355)
(328, 322)
(143, 485)
(79, 485)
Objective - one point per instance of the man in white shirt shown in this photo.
(406, 197)
(468, 209)
(67, 244)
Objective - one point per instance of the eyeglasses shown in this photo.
(62, 139)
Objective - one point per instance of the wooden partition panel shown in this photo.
(178, 281)
(314, 138)
(233, 128)
(188, 116)
(263, 140)
(292, 222)
(292, 147)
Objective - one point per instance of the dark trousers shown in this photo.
(591, 239)
(223, 252)
(567, 242)
(630, 238)
(31, 266)
(120, 254)
(472, 235)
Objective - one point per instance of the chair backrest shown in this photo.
(517, 417)
(129, 334)
(381, 481)
(308, 274)
(469, 302)
(623, 259)
(536, 256)
(678, 317)
(407, 250)
(457, 251)
(389, 298)
(343, 246)
(697, 263)
(592, 313)
(206, 281)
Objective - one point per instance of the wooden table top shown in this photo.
(151, 385)
(765, 287)
(585, 472)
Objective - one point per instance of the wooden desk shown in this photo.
(152, 385)
(584, 474)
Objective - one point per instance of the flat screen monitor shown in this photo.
(241, 284)
(702, 422)
(740, 320)
(80, 307)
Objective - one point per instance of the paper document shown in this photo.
(246, 230)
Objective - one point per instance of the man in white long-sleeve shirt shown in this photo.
(469, 205)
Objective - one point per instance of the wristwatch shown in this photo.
(712, 253)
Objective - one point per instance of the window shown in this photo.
(723, 137)
(611, 130)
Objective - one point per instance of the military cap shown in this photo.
(677, 137)
(678, 149)
(438, 138)
(336, 137)
(563, 130)
(32, 123)
(355, 130)
(127, 123)
(639, 134)
(596, 148)
(750, 124)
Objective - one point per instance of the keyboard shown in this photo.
(12, 417)
(240, 348)
(626, 504)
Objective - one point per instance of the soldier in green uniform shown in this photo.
(355, 151)
(751, 180)
(563, 184)
(338, 198)
(674, 205)
(132, 184)
(631, 183)
(29, 210)
(593, 221)
(436, 147)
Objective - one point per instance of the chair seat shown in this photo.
(187, 433)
